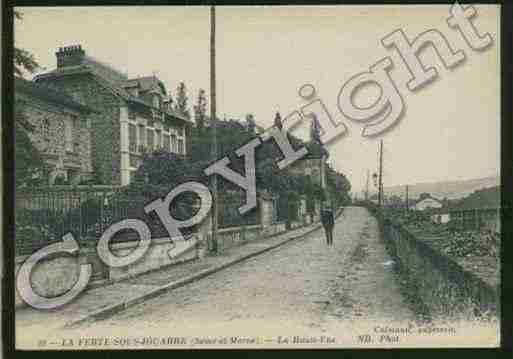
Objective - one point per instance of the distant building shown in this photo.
(132, 115)
(61, 131)
(425, 201)
(312, 165)
(441, 215)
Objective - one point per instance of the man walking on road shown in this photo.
(328, 222)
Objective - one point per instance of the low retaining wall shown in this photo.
(235, 236)
(156, 257)
(54, 276)
(442, 285)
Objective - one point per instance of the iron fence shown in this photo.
(477, 219)
(44, 214)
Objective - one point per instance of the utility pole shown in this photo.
(214, 121)
(380, 183)
(407, 204)
(367, 187)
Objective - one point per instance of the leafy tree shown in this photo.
(200, 110)
(171, 170)
(315, 130)
(250, 122)
(339, 187)
(24, 61)
(168, 169)
(181, 100)
(29, 162)
(277, 121)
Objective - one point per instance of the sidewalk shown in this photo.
(103, 302)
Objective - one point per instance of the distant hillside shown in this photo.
(483, 198)
(449, 189)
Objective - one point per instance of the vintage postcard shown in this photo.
(257, 177)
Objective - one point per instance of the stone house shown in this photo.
(312, 165)
(133, 116)
(61, 131)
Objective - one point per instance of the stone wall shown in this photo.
(156, 257)
(48, 136)
(105, 125)
(57, 275)
(444, 287)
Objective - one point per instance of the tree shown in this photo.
(181, 100)
(277, 121)
(315, 130)
(168, 169)
(28, 163)
(200, 110)
(339, 187)
(250, 122)
(24, 61)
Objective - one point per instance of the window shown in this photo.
(68, 134)
(131, 114)
(158, 140)
(150, 138)
(173, 144)
(142, 135)
(156, 101)
(132, 138)
(181, 149)
(132, 176)
(180, 131)
(167, 143)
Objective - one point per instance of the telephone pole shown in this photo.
(214, 121)
(367, 187)
(407, 204)
(380, 181)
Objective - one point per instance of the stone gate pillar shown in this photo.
(204, 234)
(266, 209)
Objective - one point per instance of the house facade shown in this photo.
(133, 116)
(426, 202)
(61, 131)
(312, 165)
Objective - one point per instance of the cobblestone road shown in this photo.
(303, 286)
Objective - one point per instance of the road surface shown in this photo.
(303, 286)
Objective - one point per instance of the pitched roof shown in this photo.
(413, 202)
(146, 84)
(113, 80)
(49, 94)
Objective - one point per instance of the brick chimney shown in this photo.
(70, 56)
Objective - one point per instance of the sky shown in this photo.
(451, 127)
